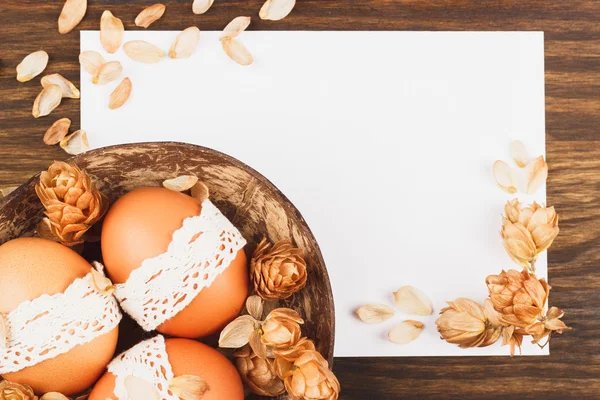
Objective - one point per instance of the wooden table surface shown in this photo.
(572, 34)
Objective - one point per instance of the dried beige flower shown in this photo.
(258, 373)
(75, 143)
(54, 396)
(546, 325)
(281, 328)
(181, 183)
(276, 10)
(142, 51)
(71, 15)
(150, 15)
(32, 65)
(405, 332)
(464, 322)
(237, 51)
(72, 202)
(235, 27)
(519, 153)
(57, 131)
(68, 89)
(237, 333)
(201, 6)
(107, 72)
(189, 387)
(120, 95)
(91, 61)
(140, 389)
(309, 377)
(3, 332)
(254, 306)
(111, 32)
(505, 177)
(15, 391)
(45, 102)
(200, 191)
(527, 232)
(375, 313)
(277, 271)
(102, 283)
(185, 44)
(537, 173)
(413, 301)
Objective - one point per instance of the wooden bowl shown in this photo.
(254, 205)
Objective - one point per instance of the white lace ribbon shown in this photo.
(199, 251)
(51, 325)
(147, 360)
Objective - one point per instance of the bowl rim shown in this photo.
(237, 163)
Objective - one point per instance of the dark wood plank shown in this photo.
(572, 33)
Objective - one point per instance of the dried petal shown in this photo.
(181, 183)
(254, 305)
(4, 192)
(235, 27)
(3, 331)
(32, 65)
(107, 72)
(54, 396)
(45, 102)
(185, 44)
(139, 389)
(111, 32)
(237, 333)
(76, 143)
(71, 15)
(237, 51)
(201, 6)
(412, 301)
(537, 173)
(68, 89)
(200, 191)
(101, 282)
(150, 15)
(142, 51)
(276, 10)
(519, 153)
(120, 95)
(256, 344)
(57, 131)
(405, 332)
(505, 177)
(375, 313)
(91, 61)
(189, 387)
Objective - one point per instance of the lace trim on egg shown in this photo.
(162, 286)
(51, 325)
(147, 360)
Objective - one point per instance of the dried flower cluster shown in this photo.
(16, 391)
(536, 171)
(273, 357)
(72, 203)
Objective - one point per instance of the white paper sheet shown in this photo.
(383, 140)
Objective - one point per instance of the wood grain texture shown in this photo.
(572, 34)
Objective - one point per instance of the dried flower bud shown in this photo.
(309, 377)
(281, 328)
(15, 391)
(278, 271)
(72, 202)
(258, 373)
(527, 232)
(464, 322)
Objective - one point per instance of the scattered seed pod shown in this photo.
(235, 27)
(537, 173)
(149, 15)
(45, 102)
(120, 95)
(188, 387)
(107, 72)
(71, 15)
(505, 177)
(32, 65)
(405, 332)
(185, 44)
(57, 132)
(412, 301)
(201, 6)
(375, 313)
(140, 389)
(519, 153)
(76, 143)
(276, 10)
(142, 51)
(68, 89)
(237, 51)
(91, 61)
(111, 32)
(181, 183)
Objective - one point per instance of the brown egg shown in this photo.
(139, 226)
(188, 357)
(29, 268)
